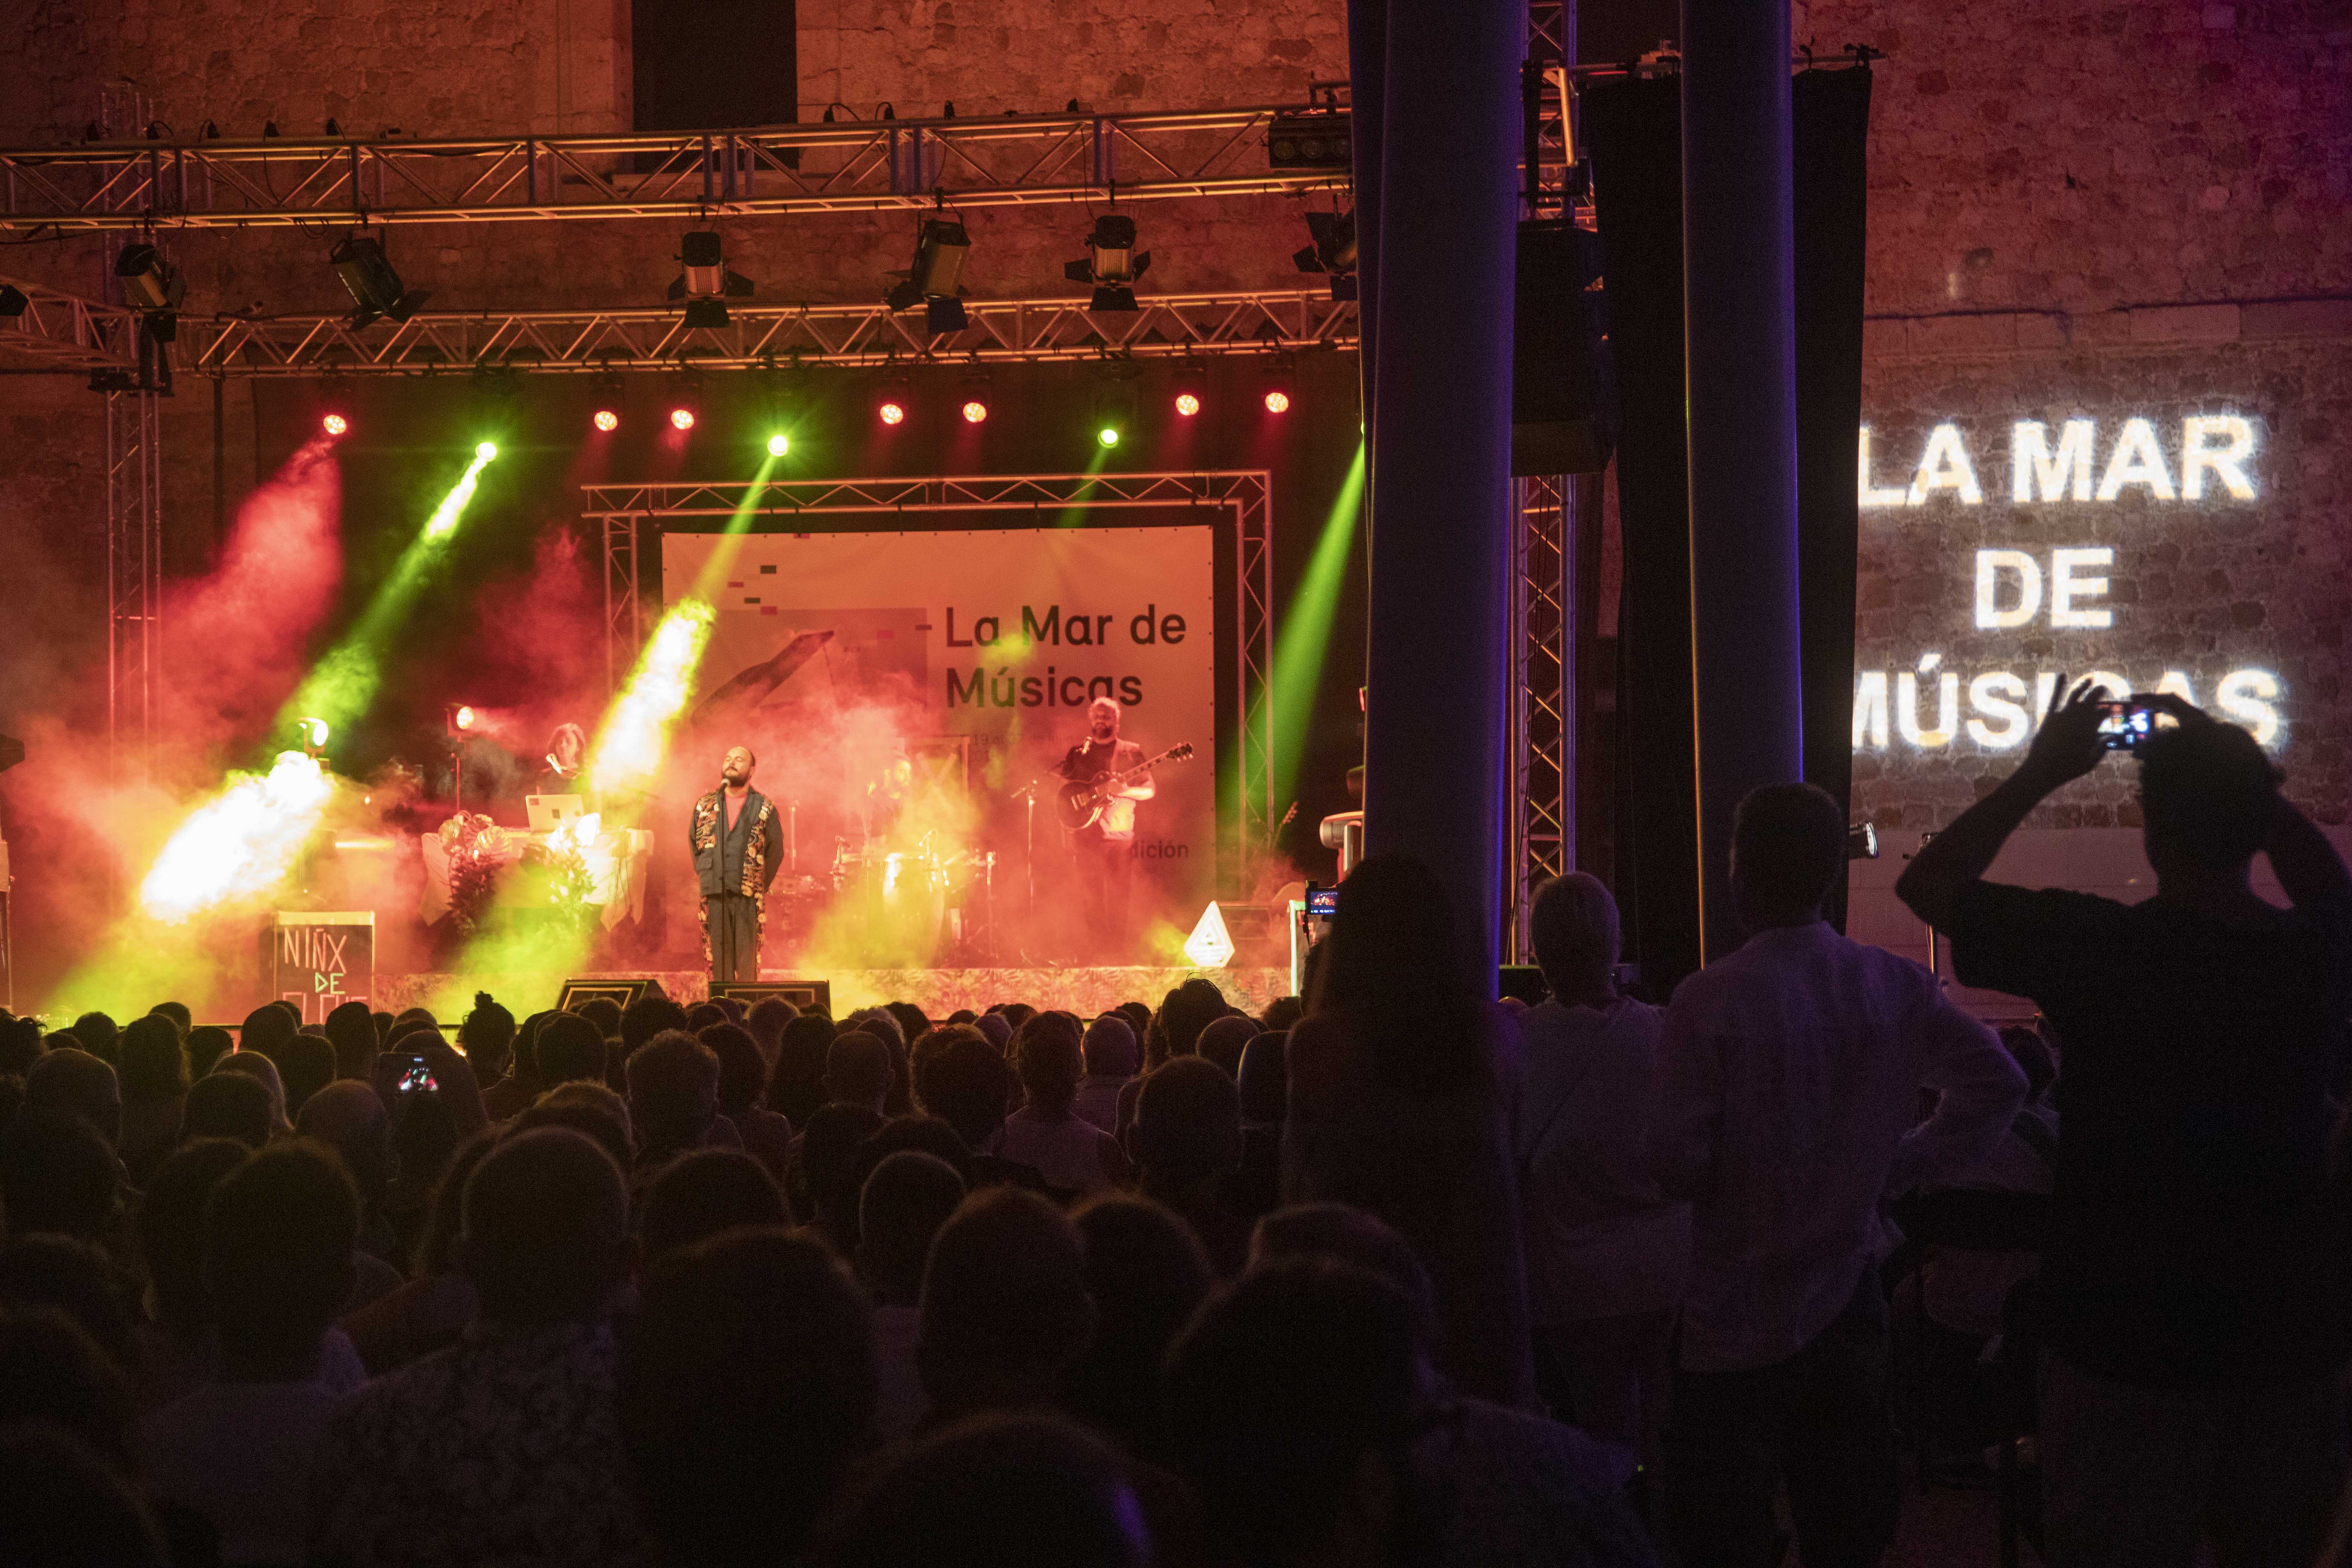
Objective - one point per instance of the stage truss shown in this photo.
(1247, 494)
(1543, 688)
(1266, 321)
(135, 564)
(872, 165)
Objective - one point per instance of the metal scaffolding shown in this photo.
(861, 166)
(60, 332)
(1001, 331)
(134, 565)
(1543, 688)
(1247, 496)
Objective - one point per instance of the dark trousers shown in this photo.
(730, 936)
(1816, 1422)
(1106, 873)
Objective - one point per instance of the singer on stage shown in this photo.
(1104, 847)
(737, 847)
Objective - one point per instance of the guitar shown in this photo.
(1079, 803)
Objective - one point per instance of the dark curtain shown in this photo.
(1634, 131)
(1831, 121)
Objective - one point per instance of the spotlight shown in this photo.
(1112, 403)
(892, 411)
(375, 288)
(975, 412)
(778, 446)
(1277, 401)
(681, 418)
(1187, 405)
(148, 282)
(705, 283)
(461, 719)
(1108, 434)
(1312, 140)
(13, 301)
(1333, 249)
(1191, 387)
(486, 450)
(606, 420)
(311, 734)
(933, 281)
(335, 424)
(1111, 264)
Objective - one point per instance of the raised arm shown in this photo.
(2067, 747)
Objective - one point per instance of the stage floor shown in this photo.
(938, 992)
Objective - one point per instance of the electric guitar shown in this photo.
(1079, 803)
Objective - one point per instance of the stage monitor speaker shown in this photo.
(1260, 932)
(1563, 419)
(12, 752)
(622, 989)
(1524, 981)
(808, 996)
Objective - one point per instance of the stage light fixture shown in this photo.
(311, 734)
(681, 418)
(934, 281)
(149, 283)
(778, 446)
(1192, 388)
(1111, 264)
(1108, 435)
(486, 450)
(1187, 405)
(975, 412)
(1331, 249)
(1277, 401)
(13, 300)
(461, 719)
(375, 288)
(607, 421)
(1318, 139)
(704, 281)
(892, 411)
(335, 424)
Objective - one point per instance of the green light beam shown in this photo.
(1306, 630)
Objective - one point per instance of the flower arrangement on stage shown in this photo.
(571, 888)
(477, 847)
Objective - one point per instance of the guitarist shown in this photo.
(1104, 847)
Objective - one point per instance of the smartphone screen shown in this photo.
(413, 1073)
(2126, 726)
(1322, 904)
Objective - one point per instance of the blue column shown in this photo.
(1441, 507)
(1739, 294)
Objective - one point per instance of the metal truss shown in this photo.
(863, 166)
(1247, 494)
(1543, 658)
(134, 565)
(62, 331)
(1002, 331)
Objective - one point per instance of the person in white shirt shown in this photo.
(240, 1449)
(1608, 1253)
(902, 1205)
(1790, 1079)
(1074, 1155)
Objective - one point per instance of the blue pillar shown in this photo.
(1441, 449)
(1739, 311)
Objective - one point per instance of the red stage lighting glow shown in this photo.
(974, 411)
(335, 424)
(1187, 405)
(892, 412)
(1277, 402)
(607, 421)
(681, 418)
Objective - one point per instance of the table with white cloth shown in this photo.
(615, 860)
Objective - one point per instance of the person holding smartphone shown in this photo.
(2191, 1374)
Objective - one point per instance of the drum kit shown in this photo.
(926, 899)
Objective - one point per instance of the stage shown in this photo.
(938, 992)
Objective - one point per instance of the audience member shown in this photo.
(511, 1095)
(228, 1105)
(182, 1019)
(348, 1118)
(964, 1081)
(429, 1312)
(1147, 1275)
(1282, 1013)
(77, 1083)
(1075, 1156)
(263, 1070)
(818, 1187)
(1224, 1039)
(603, 1013)
(2189, 1302)
(505, 1445)
(1263, 1082)
(1394, 1107)
(239, 1451)
(153, 1085)
(746, 1391)
(796, 1079)
(77, 1278)
(1789, 1078)
(703, 1014)
(588, 1108)
(207, 1042)
(1111, 1058)
(673, 1096)
(267, 1028)
(646, 1016)
(766, 1021)
(900, 1207)
(53, 1373)
(20, 1044)
(56, 1173)
(174, 1350)
(1017, 1488)
(742, 1073)
(99, 1036)
(1187, 1141)
(859, 1070)
(1608, 1254)
(1339, 1234)
(569, 1050)
(698, 1194)
(486, 1036)
(1303, 1407)
(304, 1066)
(1005, 1311)
(63, 1504)
(351, 1032)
